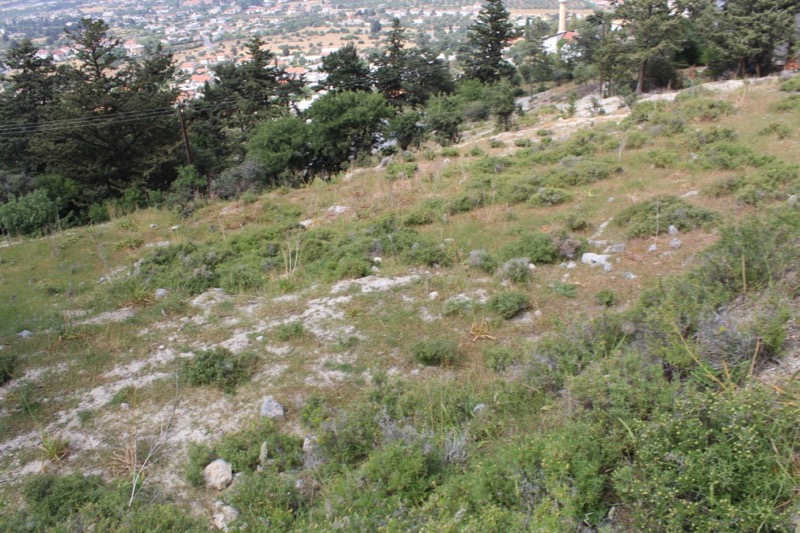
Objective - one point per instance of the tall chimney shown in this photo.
(562, 16)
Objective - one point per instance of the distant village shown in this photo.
(201, 34)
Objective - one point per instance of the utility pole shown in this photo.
(185, 135)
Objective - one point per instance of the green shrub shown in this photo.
(314, 412)
(401, 470)
(778, 129)
(549, 196)
(351, 435)
(51, 499)
(654, 217)
(397, 171)
(266, 499)
(434, 352)
(218, 367)
(199, 456)
(636, 139)
(606, 298)
(289, 330)
(483, 260)
(464, 202)
(450, 151)
(662, 158)
(8, 364)
(791, 85)
(426, 253)
(352, 267)
(458, 306)
(540, 248)
(516, 270)
(575, 171)
(31, 214)
(703, 109)
(496, 143)
(476, 151)
(715, 462)
(508, 304)
(568, 290)
(523, 143)
(790, 103)
(426, 212)
(498, 357)
(244, 449)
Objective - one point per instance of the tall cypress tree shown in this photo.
(29, 89)
(392, 65)
(487, 37)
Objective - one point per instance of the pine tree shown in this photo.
(29, 89)
(745, 33)
(487, 37)
(392, 65)
(651, 32)
(113, 127)
(346, 71)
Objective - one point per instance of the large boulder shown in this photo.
(218, 474)
(271, 408)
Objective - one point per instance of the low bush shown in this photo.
(450, 151)
(434, 352)
(507, 305)
(403, 471)
(266, 499)
(540, 248)
(262, 445)
(426, 212)
(791, 85)
(31, 214)
(398, 170)
(218, 367)
(778, 129)
(662, 158)
(498, 358)
(606, 298)
(483, 260)
(654, 217)
(289, 330)
(549, 196)
(496, 143)
(8, 364)
(516, 270)
(464, 202)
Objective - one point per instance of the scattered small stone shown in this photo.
(218, 474)
(675, 243)
(271, 408)
(377, 260)
(161, 294)
(176, 227)
(385, 161)
(125, 406)
(667, 254)
(652, 248)
(307, 223)
(690, 194)
(433, 295)
(611, 199)
(792, 199)
(598, 244)
(571, 265)
(25, 334)
(607, 267)
(263, 453)
(672, 230)
(629, 276)
(374, 269)
(615, 249)
(260, 338)
(153, 226)
(479, 408)
(223, 516)
(531, 266)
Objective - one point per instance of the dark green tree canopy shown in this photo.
(745, 33)
(346, 70)
(487, 37)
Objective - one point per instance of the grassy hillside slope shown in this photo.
(447, 356)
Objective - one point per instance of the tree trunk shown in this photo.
(640, 83)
